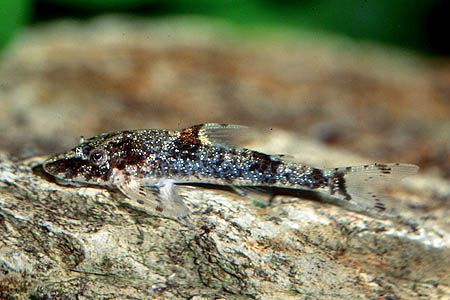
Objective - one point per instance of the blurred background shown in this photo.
(363, 76)
(416, 24)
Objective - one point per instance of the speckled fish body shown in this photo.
(135, 159)
(183, 156)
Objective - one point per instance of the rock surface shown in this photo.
(353, 105)
(93, 243)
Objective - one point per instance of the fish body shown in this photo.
(142, 163)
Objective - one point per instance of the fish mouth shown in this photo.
(53, 165)
(62, 167)
(71, 171)
(60, 170)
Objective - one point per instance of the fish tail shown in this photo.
(362, 188)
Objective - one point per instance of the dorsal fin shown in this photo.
(285, 157)
(224, 134)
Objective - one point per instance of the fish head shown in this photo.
(88, 163)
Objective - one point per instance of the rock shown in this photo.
(94, 243)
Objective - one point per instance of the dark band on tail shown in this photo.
(338, 186)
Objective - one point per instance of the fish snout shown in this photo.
(61, 166)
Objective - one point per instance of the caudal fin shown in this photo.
(363, 188)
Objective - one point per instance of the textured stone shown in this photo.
(94, 243)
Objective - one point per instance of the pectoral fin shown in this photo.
(161, 196)
(171, 202)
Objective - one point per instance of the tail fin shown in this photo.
(362, 187)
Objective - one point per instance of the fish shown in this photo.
(149, 165)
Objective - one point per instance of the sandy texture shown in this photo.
(327, 101)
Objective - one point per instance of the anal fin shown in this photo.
(255, 192)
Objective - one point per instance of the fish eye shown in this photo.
(97, 156)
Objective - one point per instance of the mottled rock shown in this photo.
(94, 243)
